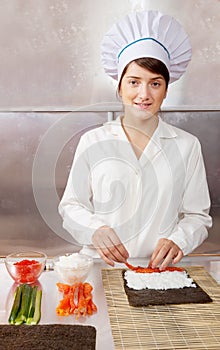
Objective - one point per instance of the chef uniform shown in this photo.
(164, 193)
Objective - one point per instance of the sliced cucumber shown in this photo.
(26, 307)
(32, 302)
(37, 312)
(16, 305)
(22, 315)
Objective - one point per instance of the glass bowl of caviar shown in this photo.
(25, 267)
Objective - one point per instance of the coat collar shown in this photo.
(164, 130)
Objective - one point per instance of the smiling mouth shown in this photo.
(143, 105)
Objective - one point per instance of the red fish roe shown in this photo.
(27, 271)
(26, 262)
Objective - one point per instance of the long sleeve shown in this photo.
(194, 217)
(76, 206)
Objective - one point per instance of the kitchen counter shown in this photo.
(100, 320)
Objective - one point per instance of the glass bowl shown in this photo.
(73, 268)
(25, 267)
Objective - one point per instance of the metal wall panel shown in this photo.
(36, 155)
(50, 52)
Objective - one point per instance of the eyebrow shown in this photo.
(155, 78)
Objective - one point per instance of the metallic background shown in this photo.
(50, 52)
(36, 154)
(53, 88)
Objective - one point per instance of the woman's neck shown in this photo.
(140, 126)
(139, 132)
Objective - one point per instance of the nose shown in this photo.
(144, 92)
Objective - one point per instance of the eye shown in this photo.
(133, 82)
(155, 84)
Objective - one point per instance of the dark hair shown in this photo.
(153, 65)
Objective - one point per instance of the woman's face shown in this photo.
(142, 91)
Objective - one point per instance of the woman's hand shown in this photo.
(109, 246)
(165, 252)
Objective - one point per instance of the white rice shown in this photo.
(74, 260)
(158, 280)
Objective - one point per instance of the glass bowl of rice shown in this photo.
(73, 267)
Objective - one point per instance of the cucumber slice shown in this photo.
(16, 305)
(37, 312)
(32, 302)
(22, 316)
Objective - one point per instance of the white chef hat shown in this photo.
(146, 34)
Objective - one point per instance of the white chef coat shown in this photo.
(164, 193)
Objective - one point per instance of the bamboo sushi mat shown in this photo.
(182, 326)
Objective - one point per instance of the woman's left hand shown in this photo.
(165, 252)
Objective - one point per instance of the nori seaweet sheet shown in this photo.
(47, 337)
(145, 297)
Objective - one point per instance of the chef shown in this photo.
(137, 186)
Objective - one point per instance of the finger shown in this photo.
(120, 252)
(102, 243)
(167, 259)
(178, 257)
(105, 237)
(116, 253)
(162, 242)
(154, 255)
(116, 248)
(102, 239)
(106, 241)
(105, 258)
(111, 253)
(159, 256)
(174, 255)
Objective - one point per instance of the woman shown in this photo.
(137, 187)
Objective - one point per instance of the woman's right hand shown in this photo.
(109, 246)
